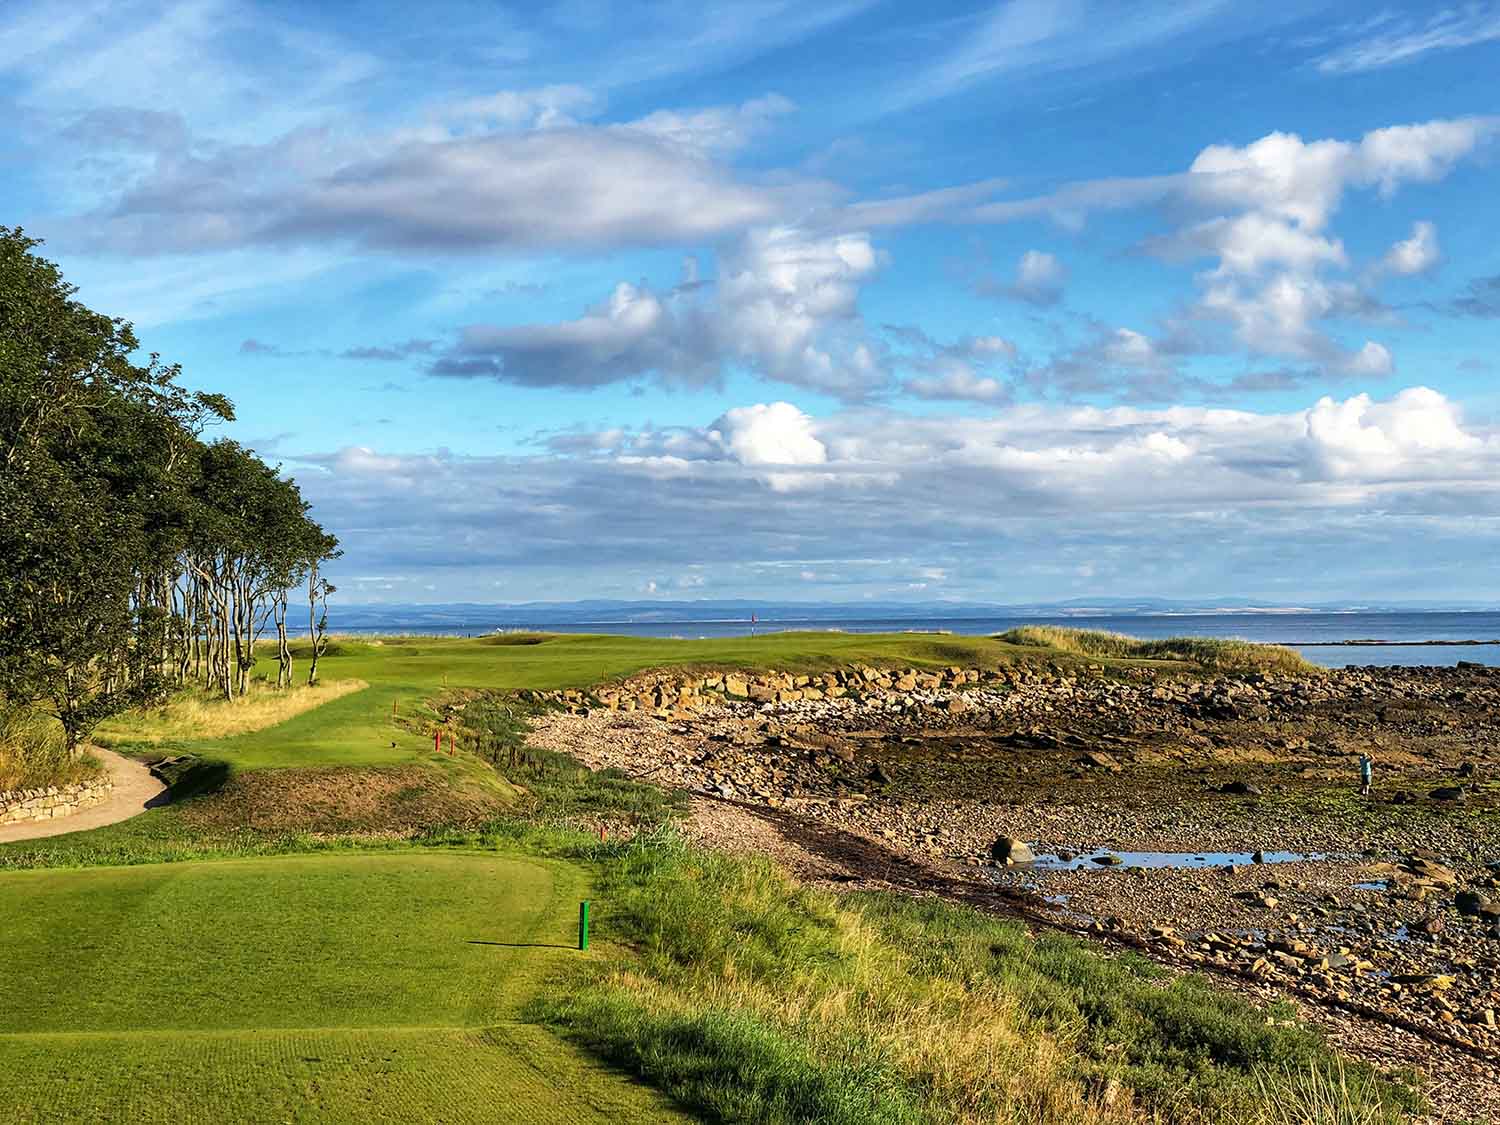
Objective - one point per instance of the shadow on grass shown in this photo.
(524, 944)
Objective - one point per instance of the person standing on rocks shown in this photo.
(1366, 773)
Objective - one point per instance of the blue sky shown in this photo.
(1002, 301)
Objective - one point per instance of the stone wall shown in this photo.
(23, 805)
(678, 696)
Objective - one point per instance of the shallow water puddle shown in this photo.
(1104, 860)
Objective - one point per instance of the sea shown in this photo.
(1331, 639)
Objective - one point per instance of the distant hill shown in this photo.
(481, 617)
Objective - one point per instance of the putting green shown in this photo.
(305, 988)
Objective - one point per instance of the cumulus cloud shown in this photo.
(1413, 434)
(774, 435)
(1260, 213)
(1039, 279)
(784, 305)
(960, 371)
(1414, 255)
(769, 482)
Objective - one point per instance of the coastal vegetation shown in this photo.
(34, 752)
(719, 980)
(1219, 654)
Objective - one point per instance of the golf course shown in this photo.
(334, 921)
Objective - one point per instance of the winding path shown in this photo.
(136, 790)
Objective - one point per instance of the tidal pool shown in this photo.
(1091, 861)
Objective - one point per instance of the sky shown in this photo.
(858, 300)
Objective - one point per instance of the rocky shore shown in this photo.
(1212, 822)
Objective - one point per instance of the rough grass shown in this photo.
(34, 752)
(1215, 653)
(196, 714)
(913, 1010)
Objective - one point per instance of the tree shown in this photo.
(132, 554)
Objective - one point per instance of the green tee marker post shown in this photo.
(583, 924)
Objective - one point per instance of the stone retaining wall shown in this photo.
(23, 805)
(674, 695)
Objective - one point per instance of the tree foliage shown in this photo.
(134, 555)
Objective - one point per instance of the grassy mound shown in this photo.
(1216, 653)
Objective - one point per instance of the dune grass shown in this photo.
(1219, 654)
(758, 999)
(34, 752)
(197, 714)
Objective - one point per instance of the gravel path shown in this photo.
(136, 790)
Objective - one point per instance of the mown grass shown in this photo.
(915, 1010)
(1218, 654)
(34, 752)
(310, 988)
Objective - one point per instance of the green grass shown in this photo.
(1217, 654)
(359, 729)
(328, 988)
(904, 1009)
(328, 976)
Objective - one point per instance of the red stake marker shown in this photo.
(437, 741)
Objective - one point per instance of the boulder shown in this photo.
(1008, 850)
(1472, 904)
(1449, 793)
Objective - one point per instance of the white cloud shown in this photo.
(1247, 244)
(957, 371)
(1039, 279)
(1415, 433)
(785, 305)
(510, 171)
(546, 107)
(1416, 254)
(774, 433)
(717, 130)
(1015, 498)
(1402, 39)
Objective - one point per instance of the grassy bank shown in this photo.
(757, 999)
(1215, 654)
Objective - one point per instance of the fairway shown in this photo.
(349, 988)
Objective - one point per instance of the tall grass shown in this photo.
(1216, 653)
(196, 714)
(34, 752)
(748, 982)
